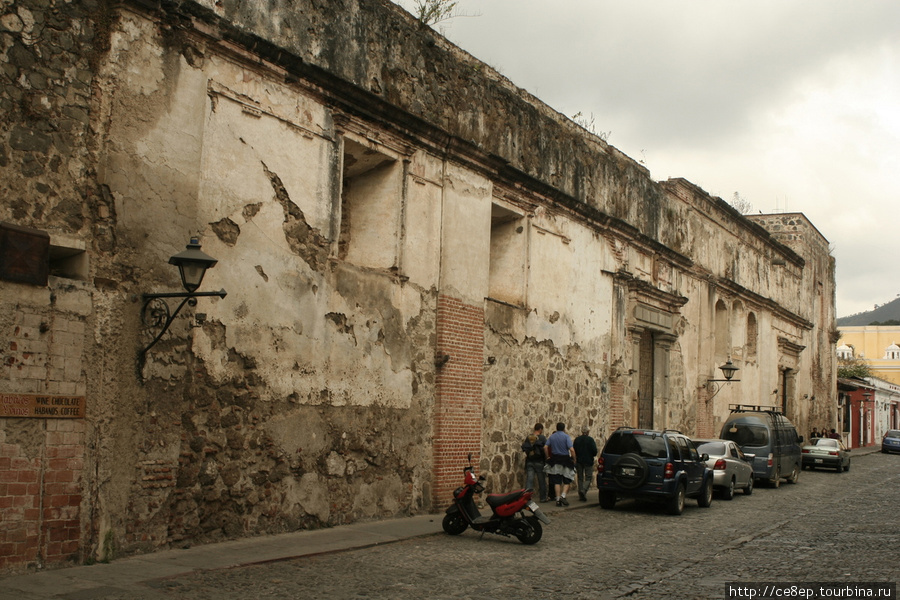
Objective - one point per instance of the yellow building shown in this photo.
(878, 345)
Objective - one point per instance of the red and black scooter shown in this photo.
(507, 511)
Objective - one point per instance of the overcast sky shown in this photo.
(794, 104)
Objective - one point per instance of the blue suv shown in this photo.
(657, 465)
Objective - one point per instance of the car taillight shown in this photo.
(720, 465)
(601, 467)
(832, 453)
(804, 451)
(669, 473)
(770, 461)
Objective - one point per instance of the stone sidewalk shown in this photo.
(137, 573)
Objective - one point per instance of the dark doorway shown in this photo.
(784, 385)
(645, 384)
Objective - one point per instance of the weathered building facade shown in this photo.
(421, 261)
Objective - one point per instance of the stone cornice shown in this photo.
(763, 302)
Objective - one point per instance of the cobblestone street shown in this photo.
(829, 527)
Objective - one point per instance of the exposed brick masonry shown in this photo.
(40, 497)
(458, 398)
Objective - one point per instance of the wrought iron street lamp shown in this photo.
(728, 371)
(156, 316)
(192, 263)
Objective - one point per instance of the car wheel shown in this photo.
(676, 502)
(607, 500)
(795, 475)
(749, 489)
(847, 468)
(776, 482)
(728, 492)
(704, 500)
(631, 471)
(454, 523)
(840, 468)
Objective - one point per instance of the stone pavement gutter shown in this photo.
(100, 580)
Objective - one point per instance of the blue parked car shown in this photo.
(891, 441)
(655, 465)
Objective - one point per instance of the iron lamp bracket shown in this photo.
(157, 315)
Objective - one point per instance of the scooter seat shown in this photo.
(495, 500)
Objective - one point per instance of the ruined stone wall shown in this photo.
(347, 167)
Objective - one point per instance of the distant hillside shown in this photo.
(885, 312)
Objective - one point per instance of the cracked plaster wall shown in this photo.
(304, 398)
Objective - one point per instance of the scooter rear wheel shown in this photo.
(454, 523)
(529, 530)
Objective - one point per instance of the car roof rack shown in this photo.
(754, 408)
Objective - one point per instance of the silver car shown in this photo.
(732, 469)
(828, 453)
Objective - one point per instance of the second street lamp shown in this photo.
(728, 371)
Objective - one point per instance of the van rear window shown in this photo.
(747, 435)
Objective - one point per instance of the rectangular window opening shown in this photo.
(370, 207)
(508, 252)
(68, 263)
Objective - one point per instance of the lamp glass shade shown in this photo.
(192, 264)
(728, 370)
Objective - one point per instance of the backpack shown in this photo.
(534, 449)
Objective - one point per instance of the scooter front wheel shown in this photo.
(529, 530)
(454, 523)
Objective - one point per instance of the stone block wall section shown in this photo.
(40, 496)
(458, 397)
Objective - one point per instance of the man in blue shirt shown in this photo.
(560, 463)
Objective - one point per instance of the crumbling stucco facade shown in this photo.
(421, 261)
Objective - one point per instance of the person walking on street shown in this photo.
(585, 451)
(533, 446)
(560, 463)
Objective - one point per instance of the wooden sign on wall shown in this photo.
(37, 406)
